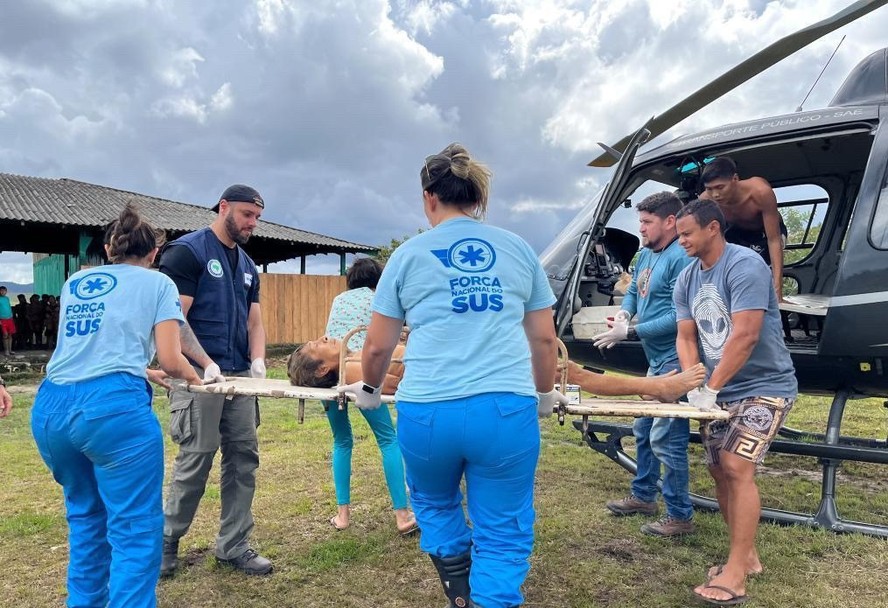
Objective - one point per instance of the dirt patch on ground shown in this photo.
(621, 549)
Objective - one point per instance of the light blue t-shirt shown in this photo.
(350, 309)
(464, 288)
(740, 280)
(649, 298)
(107, 319)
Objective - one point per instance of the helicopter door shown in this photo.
(592, 242)
(855, 322)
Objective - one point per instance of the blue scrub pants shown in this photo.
(492, 439)
(103, 444)
(663, 441)
(380, 421)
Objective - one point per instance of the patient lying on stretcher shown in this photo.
(316, 363)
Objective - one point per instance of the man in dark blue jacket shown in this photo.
(219, 291)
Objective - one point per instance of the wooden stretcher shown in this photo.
(282, 389)
(277, 389)
(626, 407)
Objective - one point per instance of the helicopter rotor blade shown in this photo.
(742, 72)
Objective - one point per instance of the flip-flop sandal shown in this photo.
(720, 567)
(338, 528)
(413, 529)
(734, 600)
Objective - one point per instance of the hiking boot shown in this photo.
(632, 505)
(669, 526)
(169, 562)
(249, 562)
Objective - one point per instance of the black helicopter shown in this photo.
(829, 169)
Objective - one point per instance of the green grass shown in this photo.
(583, 557)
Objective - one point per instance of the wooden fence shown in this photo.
(295, 306)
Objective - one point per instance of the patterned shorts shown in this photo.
(749, 431)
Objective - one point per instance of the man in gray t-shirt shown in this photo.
(728, 318)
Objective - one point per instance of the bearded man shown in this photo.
(219, 292)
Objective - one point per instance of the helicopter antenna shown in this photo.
(799, 109)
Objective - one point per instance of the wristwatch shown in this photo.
(372, 390)
(631, 334)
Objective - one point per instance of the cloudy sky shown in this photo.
(329, 107)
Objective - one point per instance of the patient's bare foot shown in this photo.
(669, 387)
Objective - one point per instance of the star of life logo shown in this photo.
(94, 285)
(713, 321)
(468, 255)
(214, 267)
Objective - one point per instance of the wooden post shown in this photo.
(342, 263)
(302, 265)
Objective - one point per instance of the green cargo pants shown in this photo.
(200, 425)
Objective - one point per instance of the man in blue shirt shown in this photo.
(728, 318)
(649, 299)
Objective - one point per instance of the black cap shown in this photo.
(239, 193)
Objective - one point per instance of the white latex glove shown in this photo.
(257, 368)
(617, 333)
(703, 398)
(212, 373)
(365, 396)
(549, 401)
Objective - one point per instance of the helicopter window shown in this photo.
(803, 208)
(790, 286)
(879, 229)
(560, 255)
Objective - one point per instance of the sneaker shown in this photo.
(169, 561)
(632, 505)
(669, 526)
(249, 562)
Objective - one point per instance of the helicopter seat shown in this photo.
(805, 307)
(806, 304)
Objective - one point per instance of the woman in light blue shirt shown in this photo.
(92, 417)
(479, 366)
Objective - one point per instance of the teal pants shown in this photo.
(380, 421)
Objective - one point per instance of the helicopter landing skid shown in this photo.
(830, 449)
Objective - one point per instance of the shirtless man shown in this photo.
(316, 363)
(750, 210)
